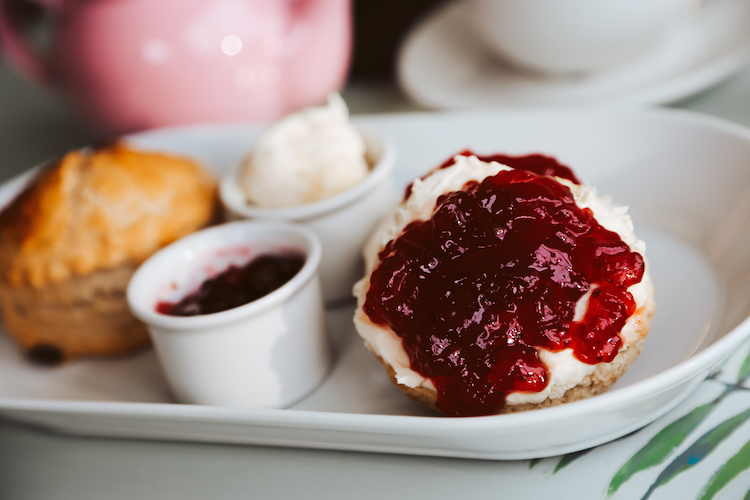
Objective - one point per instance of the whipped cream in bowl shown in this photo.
(316, 168)
(305, 157)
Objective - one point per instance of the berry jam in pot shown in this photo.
(237, 286)
(495, 275)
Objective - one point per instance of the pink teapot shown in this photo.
(136, 64)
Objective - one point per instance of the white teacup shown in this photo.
(572, 36)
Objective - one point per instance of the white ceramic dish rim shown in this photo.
(697, 365)
(150, 316)
(406, 424)
(355, 431)
(380, 171)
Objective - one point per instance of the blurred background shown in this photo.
(38, 122)
(385, 56)
(379, 27)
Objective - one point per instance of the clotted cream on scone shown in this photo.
(493, 289)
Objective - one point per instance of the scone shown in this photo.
(70, 242)
(493, 289)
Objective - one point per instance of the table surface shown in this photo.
(35, 464)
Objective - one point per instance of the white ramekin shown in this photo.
(342, 221)
(268, 353)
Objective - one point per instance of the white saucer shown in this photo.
(442, 64)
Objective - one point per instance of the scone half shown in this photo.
(441, 268)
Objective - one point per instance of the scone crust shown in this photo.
(99, 209)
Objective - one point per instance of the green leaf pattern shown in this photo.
(567, 459)
(697, 451)
(662, 445)
(744, 370)
(738, 463)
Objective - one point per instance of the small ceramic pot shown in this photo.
(342, 222)
(268, 353)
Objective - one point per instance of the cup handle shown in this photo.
(14, 47)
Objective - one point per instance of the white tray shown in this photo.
(686, 180)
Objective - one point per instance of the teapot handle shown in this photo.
(15, 48)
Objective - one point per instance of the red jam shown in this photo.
(494, 275)
(237, 285)
(539, 164)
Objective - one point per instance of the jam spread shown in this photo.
(237, 285)
(537, 163)
(496, 274)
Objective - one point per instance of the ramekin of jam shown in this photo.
(342, 221)
(236, 314)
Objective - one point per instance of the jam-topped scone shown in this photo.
(71, 241)
(493, 289)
